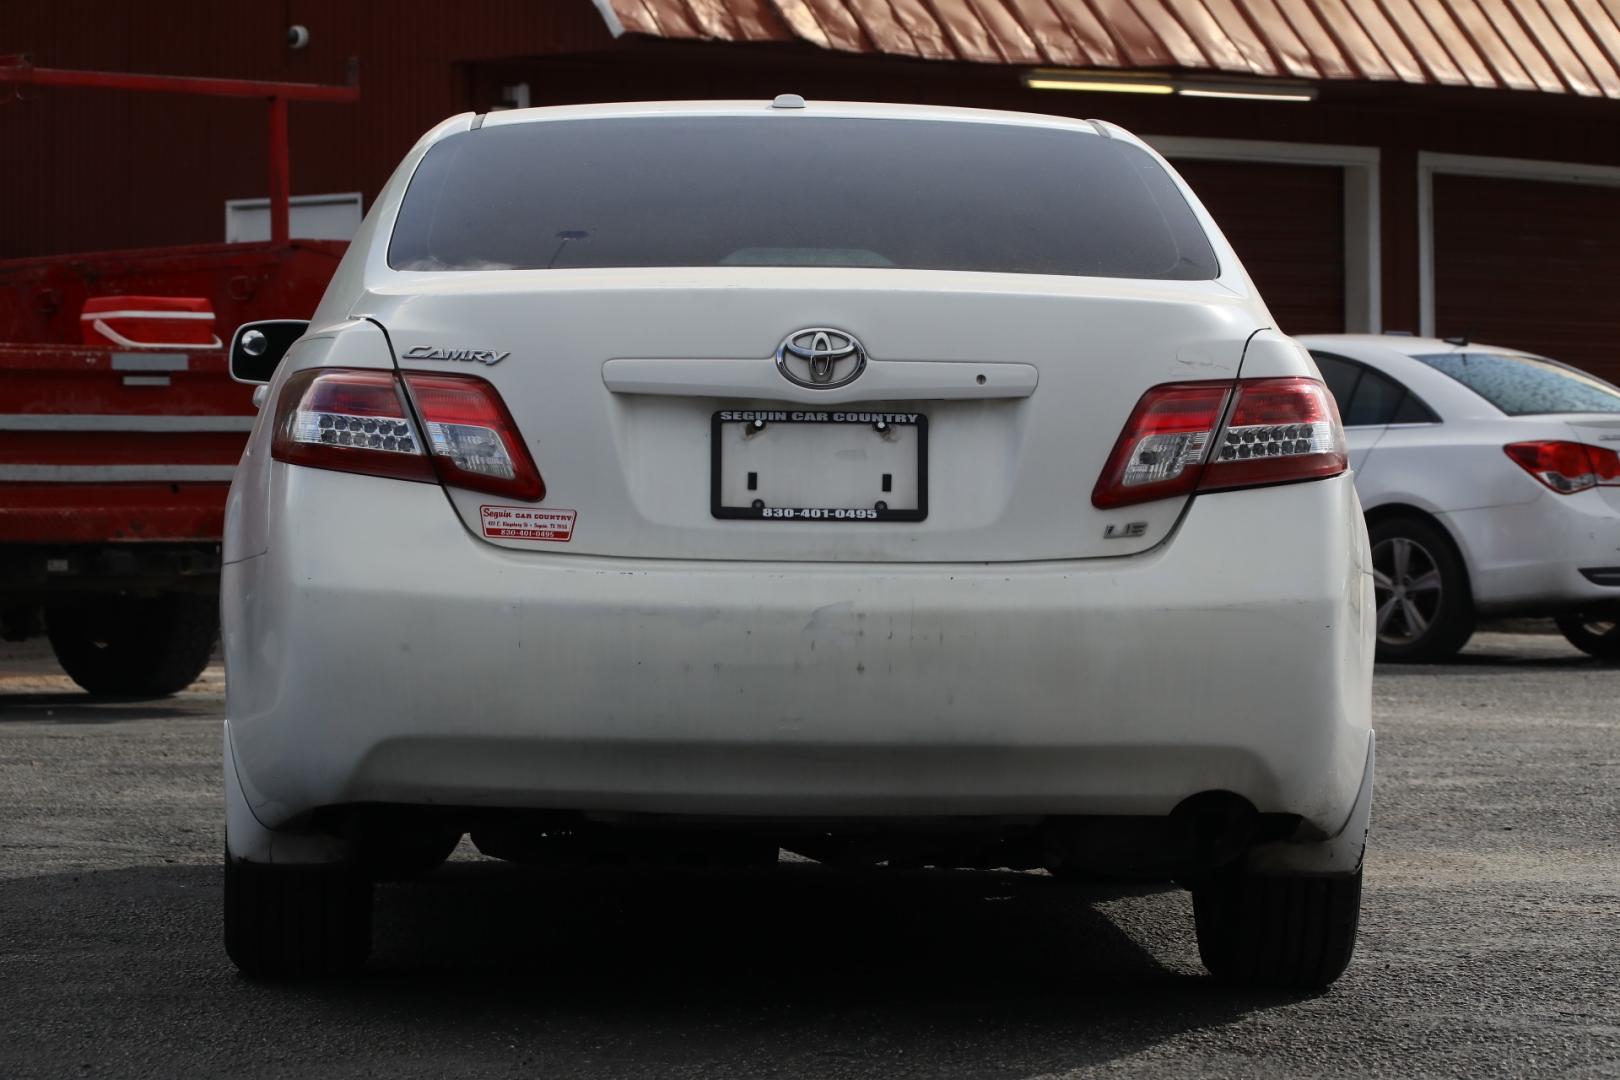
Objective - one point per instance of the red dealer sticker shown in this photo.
(527, 523)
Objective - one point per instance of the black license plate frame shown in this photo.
(872, 515)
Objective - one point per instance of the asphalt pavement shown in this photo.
(1490, 942)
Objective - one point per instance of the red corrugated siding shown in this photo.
(1556, 46)
(87, 170)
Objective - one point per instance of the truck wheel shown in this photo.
(146, 647)
(296, 921)
(1594, 634)
(1283, 932)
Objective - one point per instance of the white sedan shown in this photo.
(1491, 483)
(893, 485)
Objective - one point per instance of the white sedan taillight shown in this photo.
(358, 420)
(1567, 467)
(1276, 431)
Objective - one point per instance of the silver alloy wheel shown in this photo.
(1407, 589)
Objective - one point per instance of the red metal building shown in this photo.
(1442, 165)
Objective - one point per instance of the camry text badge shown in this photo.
(487, 357)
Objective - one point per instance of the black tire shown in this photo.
(1295, 933)
(1595, 634)
(1419, 625)
(135, 646)
(296, 921)
(405, 856)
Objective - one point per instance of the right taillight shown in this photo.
(358, 420)
(1280, 430)
(1567, 467)
(1275, 431)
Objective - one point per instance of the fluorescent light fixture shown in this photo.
(1100, 86)
(1161, 84)
(1249, 93)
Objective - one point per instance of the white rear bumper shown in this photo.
(1529, 556)
(388, 656)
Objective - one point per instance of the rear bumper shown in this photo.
(1529, 557)
(118, 512)
(388, 656)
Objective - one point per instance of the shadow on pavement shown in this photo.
(1496, 664)
(34, 688)
(484, 968)
(71, 707)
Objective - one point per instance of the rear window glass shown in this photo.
(796, 191)
(1523, 385)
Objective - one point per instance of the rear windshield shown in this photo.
(796, 191)
(1523, 385)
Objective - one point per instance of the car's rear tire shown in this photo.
(1293, 933)
(1423, 605)
(135, 646)
(296, 921)
(1593, 633)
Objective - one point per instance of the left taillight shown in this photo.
(357, 420)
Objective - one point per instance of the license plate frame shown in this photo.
(846, 515)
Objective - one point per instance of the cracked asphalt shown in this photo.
(1490, 942)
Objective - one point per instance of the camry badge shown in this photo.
(487, 357)
(820, 358)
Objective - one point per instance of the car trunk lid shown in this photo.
(987, 408)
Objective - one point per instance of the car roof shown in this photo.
(1396, 356)
(1404, 344)
(849, 109)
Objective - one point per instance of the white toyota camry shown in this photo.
(893, 485)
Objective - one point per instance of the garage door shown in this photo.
(1530, 264)
(1287, 224)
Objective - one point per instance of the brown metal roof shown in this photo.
(1555, 46)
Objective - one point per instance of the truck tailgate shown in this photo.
(99, 445)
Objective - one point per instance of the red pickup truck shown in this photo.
(119, 429)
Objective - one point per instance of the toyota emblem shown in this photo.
(820, 358)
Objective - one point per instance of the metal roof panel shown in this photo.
(1164, 25)
(1285, 43)
(1490, 46)
(1008, 29)
(800, 18)
(1586, 45)
(1547, 37)
(1069, 33)
(1420, 38)
(1137, 41)
(1325, 50)
(1390, 43)
(1512, 30)
(1451, 36)
(1353, 40)
(1554, 46)
(967, 32)
(926, 33)
(756, 20)
(1210, 33)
